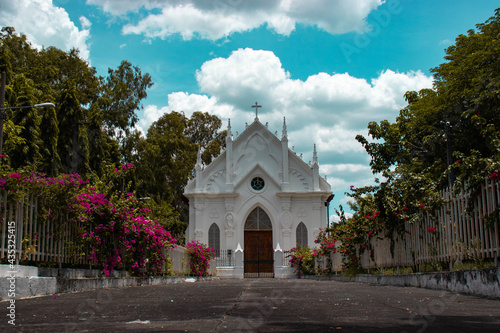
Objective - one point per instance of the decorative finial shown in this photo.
(256, 106)
(229, 136)
(315, 155)
(284, 135)
(198, 158)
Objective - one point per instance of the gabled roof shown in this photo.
(255, 149)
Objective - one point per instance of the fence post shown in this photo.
(238, 262)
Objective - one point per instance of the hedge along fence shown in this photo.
(67, 220)
(454, 233)
(52, 241)
(25, 238)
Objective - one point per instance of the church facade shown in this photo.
(255, 201)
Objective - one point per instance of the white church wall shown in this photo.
(257, 153)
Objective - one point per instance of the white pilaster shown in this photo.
(285, 183)
(315, 169)
(229, 159)
(198, 172)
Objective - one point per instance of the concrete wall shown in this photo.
(482, 282)
(180, 261)
(23, 281)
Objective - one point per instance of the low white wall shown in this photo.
(481, 282)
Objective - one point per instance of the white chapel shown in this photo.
(255, 201)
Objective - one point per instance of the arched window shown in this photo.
(214, 238)
(258, 220)
(301, 235)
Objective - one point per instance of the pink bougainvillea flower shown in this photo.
(495, 175)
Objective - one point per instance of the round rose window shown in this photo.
(257, 183)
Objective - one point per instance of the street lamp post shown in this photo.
(3, 114)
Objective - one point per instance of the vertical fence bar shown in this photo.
(488, 245)
(497, 235)
(30, 228)
(19, 229)
(3, 252)
(462, 219)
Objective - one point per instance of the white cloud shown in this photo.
(186, 103)
(218, 19)
(246, 75)
(151, 113)
(336, 219)
(120, 7)
(46, 25)
(188, 20)
(326, 109)
(85, 22)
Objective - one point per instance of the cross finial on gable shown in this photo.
(256, 106)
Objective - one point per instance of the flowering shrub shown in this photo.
(111, 230)
(302, 259)
(350, 237)
(199, 257)
(326, 243)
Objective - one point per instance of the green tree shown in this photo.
(90, 110)
(49, 131)
(123, 91)
(450, 130)
(203, 130)
(29, 120)
(73, 147)
(168, 158)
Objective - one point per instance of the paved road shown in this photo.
(256, 305)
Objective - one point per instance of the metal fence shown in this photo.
(24, 236)
(225, 258)
(452, 234)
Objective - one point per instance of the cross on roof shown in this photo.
(256, 106)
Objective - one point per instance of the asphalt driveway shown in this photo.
(256, 305)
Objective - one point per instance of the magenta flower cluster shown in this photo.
(199, 257)
(111, 230)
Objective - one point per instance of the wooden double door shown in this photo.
(258, 248)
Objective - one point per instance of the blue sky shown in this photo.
(328, 66)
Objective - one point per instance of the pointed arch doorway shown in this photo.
(258, 245)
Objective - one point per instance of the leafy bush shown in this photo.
(302, 259)
(199, 257)
(111, 229)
